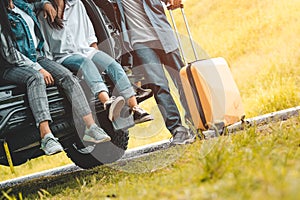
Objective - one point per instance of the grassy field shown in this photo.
(260, 40)
(255, 164)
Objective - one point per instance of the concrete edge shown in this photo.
(164, 144)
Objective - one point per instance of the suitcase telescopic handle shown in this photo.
(171, 8)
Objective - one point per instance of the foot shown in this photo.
(114, 105)
(143, 94)
(95, 134)
(182, 135)
(140, 115)
(50, 145)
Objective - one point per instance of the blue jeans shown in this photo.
(91, 70)
(149, 62)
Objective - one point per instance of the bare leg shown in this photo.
(103, 97)
(44, 128)
(88, 120)
(132, 102)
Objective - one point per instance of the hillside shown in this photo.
(260, 40)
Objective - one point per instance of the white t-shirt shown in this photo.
(76, 36)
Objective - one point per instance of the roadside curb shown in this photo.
(164, 144)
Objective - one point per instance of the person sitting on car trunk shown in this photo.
(72, 42)
(22, 62)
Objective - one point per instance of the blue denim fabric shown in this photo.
(114, 70)
(100, 62)
(149, 62)
(21, 31)
(85, 66)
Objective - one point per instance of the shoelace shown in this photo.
(49, 140)
(97, 128)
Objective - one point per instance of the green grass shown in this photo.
(259, 163)
(260, 40)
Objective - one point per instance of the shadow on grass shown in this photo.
(112, 173)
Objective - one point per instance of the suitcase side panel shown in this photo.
(194, 90)
(188, 92)
(234, 110)
(204, 94)
(226, 100)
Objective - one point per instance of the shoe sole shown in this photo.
(144, 119)
(87, 138)
(53, 153)
(116, 108)
(189, 141)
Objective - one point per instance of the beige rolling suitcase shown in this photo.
(212, 95)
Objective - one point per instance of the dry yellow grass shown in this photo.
(260, 40)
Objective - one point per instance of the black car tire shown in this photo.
(88, 155)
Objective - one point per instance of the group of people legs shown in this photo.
(38, 50)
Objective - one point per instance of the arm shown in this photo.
(92, 39)
(89, 29)
(47, 8)
(38, 5)
(94, 45)
(13, 56)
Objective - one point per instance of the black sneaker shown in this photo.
(143, 94)
(182, 135)
(114, 105)
(140, 115)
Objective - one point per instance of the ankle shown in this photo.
(47, 135)
(88, 126)
(103, 97)
(44, 128)
(135, 108)
(131, 102)
(88, 120)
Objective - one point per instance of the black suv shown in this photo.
(17, 126)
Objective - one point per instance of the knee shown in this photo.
(85, 63)
(115, 69)
(36, 79)
(87, 68)
(67, 77)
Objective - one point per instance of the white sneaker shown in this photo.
(115, 105)
(50, 145)
(95, 134)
